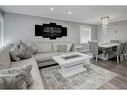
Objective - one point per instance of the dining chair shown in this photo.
(114, 41)
(119, 52)
(93, 48)
(125, 51)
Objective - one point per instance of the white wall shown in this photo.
(23, 27)
(116, 30)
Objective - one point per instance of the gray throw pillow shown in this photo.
(17, 78)
(25, 51)
(61, 48)
(14, 53)
(73, 47)
(32, 46)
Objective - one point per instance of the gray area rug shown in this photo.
(91, 79)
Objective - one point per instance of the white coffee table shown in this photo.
(71, 63)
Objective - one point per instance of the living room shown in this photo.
(56, 48)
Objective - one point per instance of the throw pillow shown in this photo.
(17, 78)
(69, 45)
(61, 48)
(33, 47)
(14, 53)
(25, 51)
(72, 47)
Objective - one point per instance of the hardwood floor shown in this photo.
(119, 82)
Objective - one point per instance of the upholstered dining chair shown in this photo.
(119, 51)
(93, 48)
(124, 53)
(114, 41)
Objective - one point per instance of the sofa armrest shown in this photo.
(37, 84)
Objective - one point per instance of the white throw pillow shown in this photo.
(43, 47)
(69, 45)
(61, 48)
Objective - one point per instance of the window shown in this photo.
(0, 35)
(1, 31)
(85, 34)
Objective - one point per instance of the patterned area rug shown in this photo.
(91, 79)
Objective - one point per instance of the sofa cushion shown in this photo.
(37, 84)
(69, 45)
(16, 78)
(5, 57)
(40, 57)
(43, 47)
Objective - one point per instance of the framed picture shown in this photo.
(51, 31)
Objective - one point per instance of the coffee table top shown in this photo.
(70, 58)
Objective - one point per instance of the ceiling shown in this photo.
(81, 14)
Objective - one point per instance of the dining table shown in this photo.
(107, 49)
(107, 45)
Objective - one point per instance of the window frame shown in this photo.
(83, 27)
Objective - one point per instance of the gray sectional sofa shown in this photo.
(42, 57)
(46, 50)
(5, 62)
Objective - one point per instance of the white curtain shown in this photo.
(85, 34)
(1, 29)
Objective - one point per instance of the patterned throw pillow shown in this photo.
(61, 48)
(14, 53)
(25, 51)
(32, 46)
(17, 78)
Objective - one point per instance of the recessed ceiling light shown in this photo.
(51, 9)
(69, 13)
